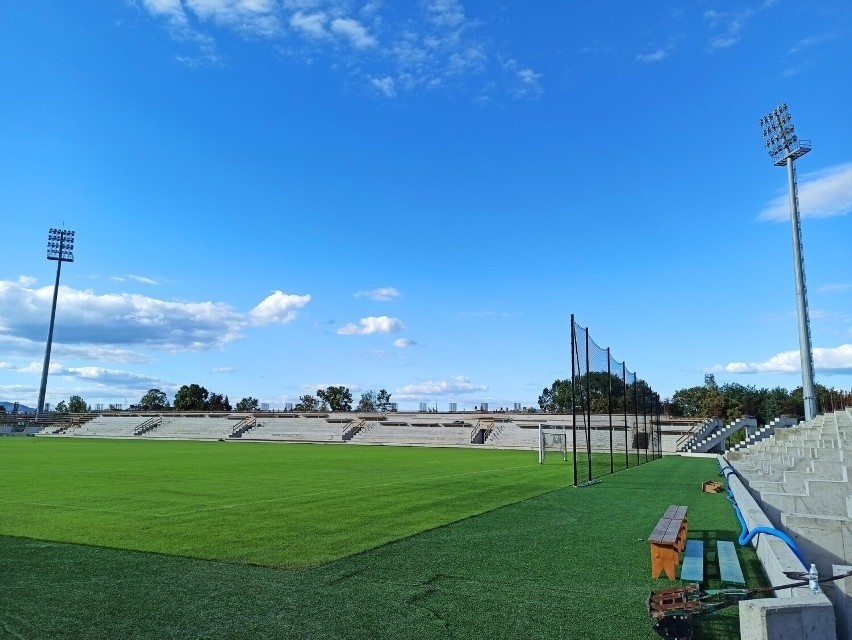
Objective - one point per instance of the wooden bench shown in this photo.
(730, 571)
(667, 541)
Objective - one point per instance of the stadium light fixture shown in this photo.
(784, 147)
(60, 247)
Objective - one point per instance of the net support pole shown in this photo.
(624, 381)
(645, 421)
(609, 407)
(573, 400)
(588, 410)
(636, 414)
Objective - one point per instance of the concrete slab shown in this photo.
(842, 599)
(822, 540)
(802, 618)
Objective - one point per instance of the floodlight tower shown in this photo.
(60, 247)
(784, 147)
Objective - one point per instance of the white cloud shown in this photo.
(382, 294)
(130, 276)
(822, 194)
(454, 386)
(731, 24)
(26, 281)
(182, 29)
(834, 288)
(6, 365)
(142, 279)
(36, 368)
(223, 370)
(723, 42)
(113, 377)
(87, 318)
(445, 13)
(828, 360)
(371, 325)
(257, 17)
(654, 56)
(26, 348)
(386, 86)
(354, 32)
(311, 25)
(278, 307)
(527, 82)
(402, 343)
(392, 48)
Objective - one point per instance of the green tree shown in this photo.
(154, 400)
(247, 404)
(308, 403)
(368, 402)
(217, 402)
(338, 398)
(383, 400)
(191, 398)
(556, 399)
(61, 407)
(76, 404)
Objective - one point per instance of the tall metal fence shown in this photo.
(616, 415)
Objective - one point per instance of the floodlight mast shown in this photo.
(60, 247)
(784, 147)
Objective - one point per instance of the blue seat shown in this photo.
(729, 566)
(692, 569)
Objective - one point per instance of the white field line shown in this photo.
(237, 505)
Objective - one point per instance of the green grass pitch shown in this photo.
(111, 538)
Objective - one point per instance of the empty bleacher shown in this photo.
(802, 478)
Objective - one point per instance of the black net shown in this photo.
(616, 414)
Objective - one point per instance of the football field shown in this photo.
(121, 539)
(279, 505)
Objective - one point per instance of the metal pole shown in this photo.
(624, 380)
(573, 400)
(588, 410)
(805, 350)
(636, 414)
(609, 408)
(645, 421)
(43, 388)
(659, 429)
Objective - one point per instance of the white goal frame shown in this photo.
(552, 438)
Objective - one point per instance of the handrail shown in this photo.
(746, 536)
(248, 421)
(489, 425)
(148, 425)
(353, 427)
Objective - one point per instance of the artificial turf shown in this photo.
(568, 563)
(282, 505)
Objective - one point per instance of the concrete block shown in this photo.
(821, 539)
(842, 599)
(831, 505)
(799, 618)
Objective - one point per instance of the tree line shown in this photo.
(194, 397)
(600, 390)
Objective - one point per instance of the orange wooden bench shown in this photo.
(667, 542)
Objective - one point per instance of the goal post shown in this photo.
(552, 439)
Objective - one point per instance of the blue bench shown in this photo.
(730, 571)
(692, 569)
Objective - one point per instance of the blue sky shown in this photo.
(272, 196)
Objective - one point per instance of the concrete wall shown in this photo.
(793, 613)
